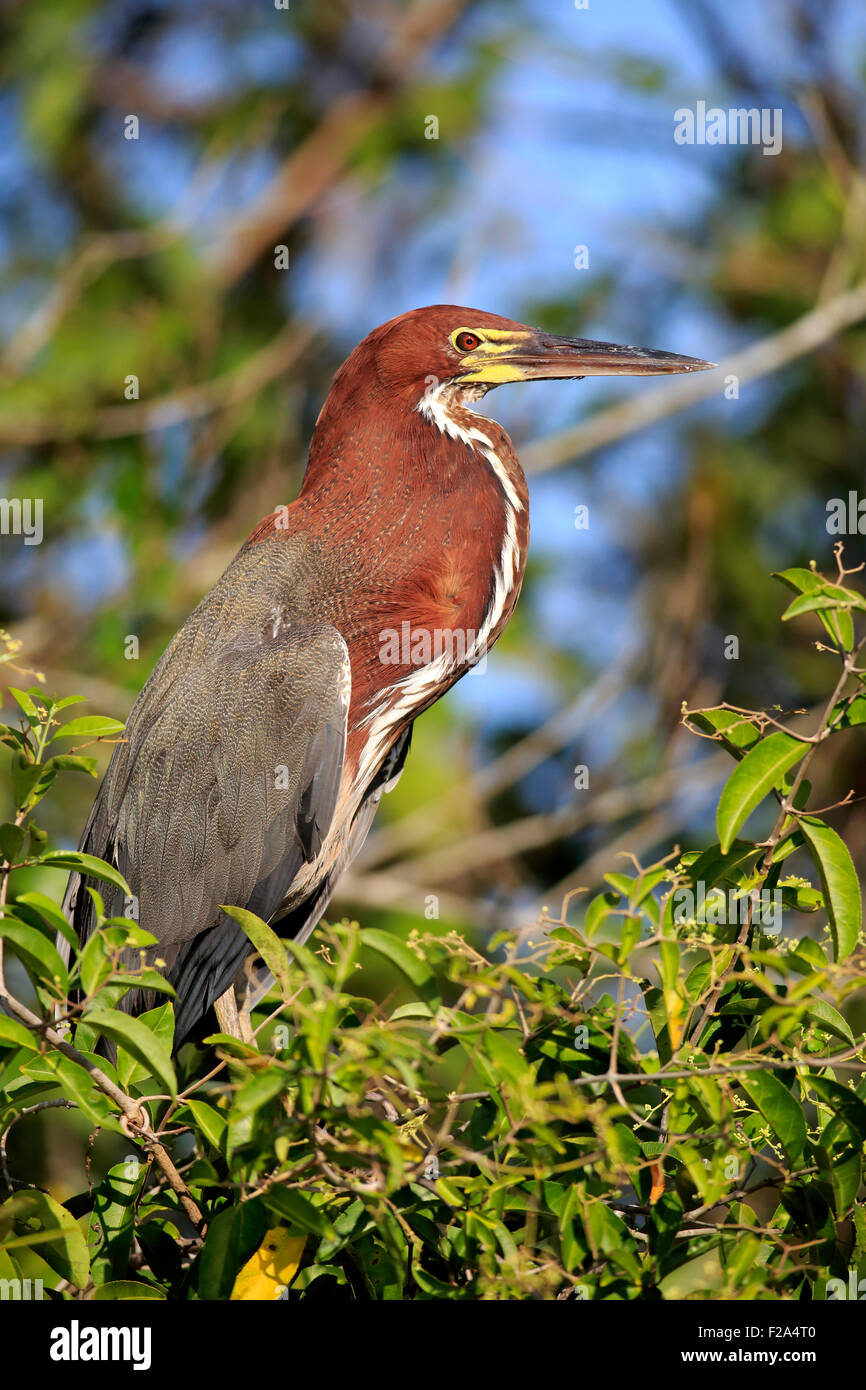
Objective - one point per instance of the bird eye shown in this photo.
(466, 342)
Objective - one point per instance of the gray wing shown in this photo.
(225, 788)
(303, 917)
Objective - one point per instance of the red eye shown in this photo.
(466, 342)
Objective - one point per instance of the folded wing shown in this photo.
(225, 788)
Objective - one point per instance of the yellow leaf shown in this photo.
(407, 1133)
(271, 1269)
(658, 1182)
(674, 1008)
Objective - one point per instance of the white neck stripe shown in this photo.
(411, 690)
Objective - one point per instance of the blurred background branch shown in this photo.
(759, 359)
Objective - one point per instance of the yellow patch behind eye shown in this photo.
(507, 335)
(493, 340)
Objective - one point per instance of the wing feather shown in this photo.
(226, 785)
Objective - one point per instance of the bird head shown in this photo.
(467, 352)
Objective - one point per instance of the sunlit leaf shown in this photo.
(135, 1037)
(42, 1222)
(782, 1112)
(839, 881)
(754, 778)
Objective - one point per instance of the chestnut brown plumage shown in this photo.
(258, 750)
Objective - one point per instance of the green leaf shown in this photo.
(73, 762)
(11, 840)
(608, 1231)
(266, 942)
(737, 731)
(143, 979)
(58, 1236)
(848, 1109)
(22, 699)
(669, 963)
(232, 1237)
(600, 908)
(256, 1092)
(29, 904)
(90, 726)
(829, 1019)
(843, 1171)
(741, 1259)
(412, 966)
(297, 1210)
(30, 781)
(233, 1046)
(211, 1123)
(623, 883)
(122, 1289)
(839, 882)
(113, 1220)
(503, 1049)
(855, 713)
(752, 779)
(811, 953)
(38, 953)
(98, 904)
(734, 868)
(75, 1082)
(137, 1038)
(94, 967)
(160, 1021)
(8, 1268)
(86, 864)
(14, 1034)
(77, 1085)
(846, 1175)
(415, 1009)
(782, 1112)
(831, 596)
(839, 625)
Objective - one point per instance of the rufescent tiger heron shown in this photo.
(258, 751)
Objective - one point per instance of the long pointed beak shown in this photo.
(539, 356)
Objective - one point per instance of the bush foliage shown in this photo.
(659, 1094)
